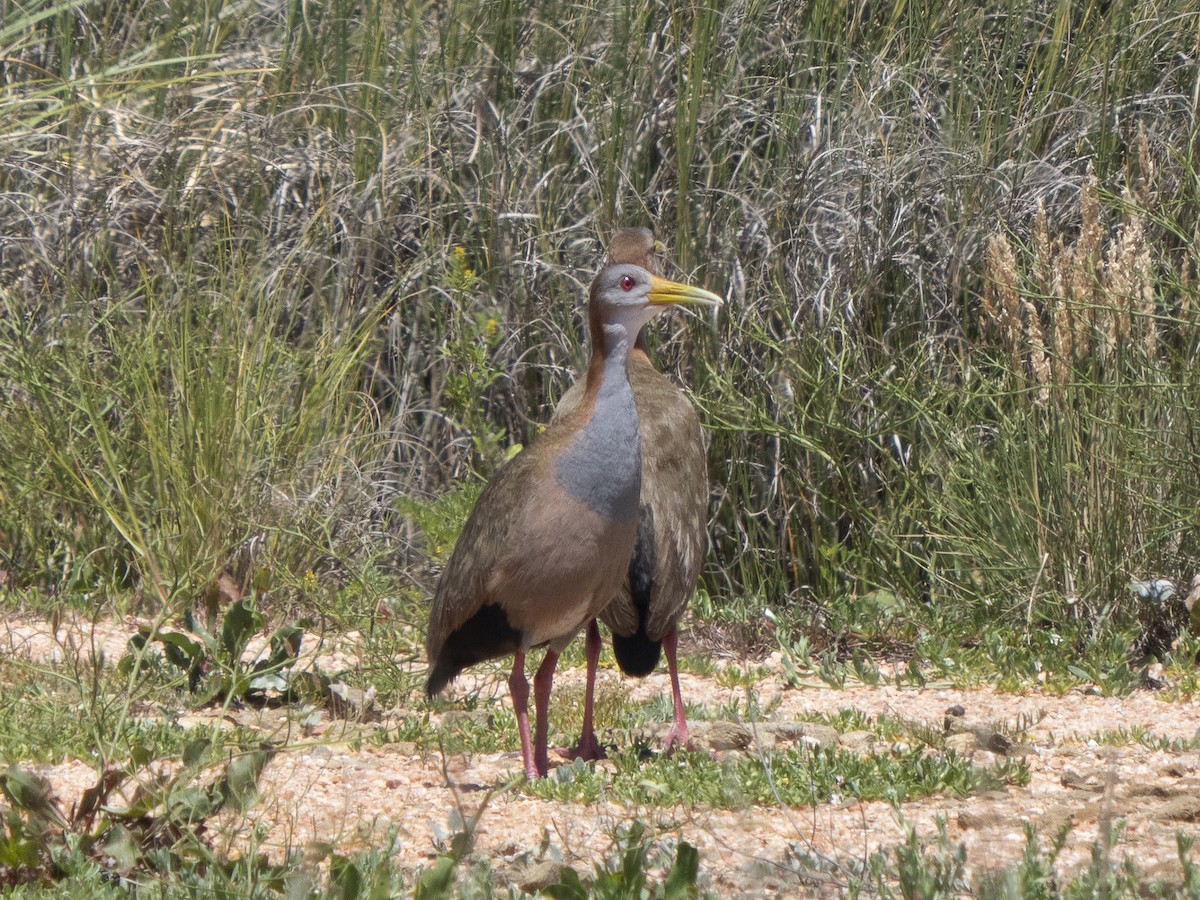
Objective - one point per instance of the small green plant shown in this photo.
(698, 664)
(832, 670)
(442, 518)
(212, 661)
(469, 352)
(1115, 680)
(624, 877)
(796, 657)
(741, 676)
(864, 667)
(924, 872)
(459, 731)
(161, 831)
(795, 777)
(886, 728)
(1191, 869)
(438, 880)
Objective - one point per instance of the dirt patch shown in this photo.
(340, 787)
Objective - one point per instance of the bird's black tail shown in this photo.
(486, 635)
(637, 654)
(439, 676)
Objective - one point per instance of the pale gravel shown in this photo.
(335, 788)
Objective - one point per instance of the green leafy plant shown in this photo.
(161, 830)
(788, 778)
(213, 661)
(624, 876)
(924, 873)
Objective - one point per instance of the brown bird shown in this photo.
(665, 566)
(548, 543)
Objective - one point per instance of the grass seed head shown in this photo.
(1006, 304)
(1039, 362)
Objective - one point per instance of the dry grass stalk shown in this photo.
(1091, 296)
(1064, 335)
(1005, 307)
(1049, 279)
(1146, 168)
(1039, 362)
(1083, 281)
(1129, 280)
(1045, 251)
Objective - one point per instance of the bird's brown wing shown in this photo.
(568, 403)
(486, 539)
(496, 597)
(674, 495)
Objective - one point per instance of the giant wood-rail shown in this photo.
(665, 566)
(549, 541)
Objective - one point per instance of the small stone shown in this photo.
(726, 736)
(1154, 677)
(538, 876)
(983, 818)
(963, 743)
(352, 703)
(1141, 789)
(952, 712)
(1093, 782)
(1181, 809)
(998, 743)
(862, 742)
(811, 734)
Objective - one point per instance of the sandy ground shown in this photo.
(339, 788)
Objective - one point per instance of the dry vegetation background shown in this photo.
(281, 283)
(322, 264)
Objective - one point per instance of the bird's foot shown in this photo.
(677, 739)
(588, 749)
(531, 771)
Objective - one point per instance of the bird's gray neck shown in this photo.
(602, 464)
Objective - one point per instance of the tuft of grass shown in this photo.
(936, 867)
(624, 873)
(175, 437)
(61, 712)
(788, 778)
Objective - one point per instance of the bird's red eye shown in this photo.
(627, 282)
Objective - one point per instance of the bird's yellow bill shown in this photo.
(664, 291)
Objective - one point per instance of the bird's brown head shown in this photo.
(637, 246)
(625, 296)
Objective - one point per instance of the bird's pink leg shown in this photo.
(678, 735)
(588, 747)
(518, 687)
(542, 682)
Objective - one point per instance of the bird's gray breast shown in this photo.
(602, 464)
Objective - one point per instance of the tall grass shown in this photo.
(267, 267)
